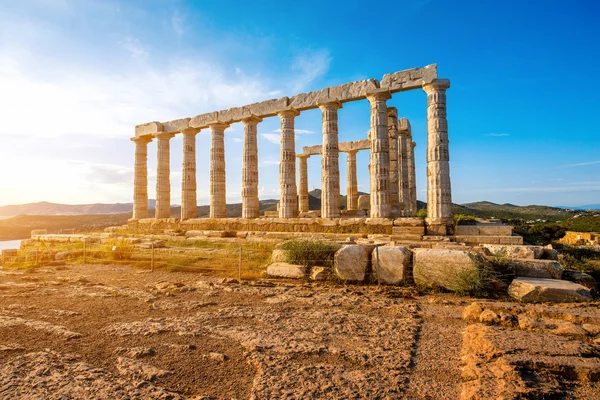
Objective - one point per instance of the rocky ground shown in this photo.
(115, 332)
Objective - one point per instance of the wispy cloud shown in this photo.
(269, 162)
(177, 22)
(497, 134)
(134, 47)
(310, 65)
(580, 164)
(271, 137)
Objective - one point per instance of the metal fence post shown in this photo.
(152, 259)
(240, 267)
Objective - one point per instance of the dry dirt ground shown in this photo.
(114, 332)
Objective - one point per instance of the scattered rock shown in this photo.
(514, 251)
(319, 273)
(392, 264)
(472, 312)
(528, 323)
(136, 352)
(285, 270)
(592, 329)
(217, 357)
(279, 255)
(489, 317)
(567, 328)
(136, 369)
(581, 278)
(507, 319)
(538, 290)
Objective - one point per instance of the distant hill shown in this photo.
(583, 207)
(486, 209)
(46, 208)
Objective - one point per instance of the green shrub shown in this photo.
(462, 219)
(309, 252)
(422, 213)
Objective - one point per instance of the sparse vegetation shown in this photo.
(309, 252)
(462, 219)
(422, 213)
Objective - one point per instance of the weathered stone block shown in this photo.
(409, 222)
(392, 264)
(177, 125)
(549, 269)
(305, 101)
(285, 270)
(364, 202)
(319, 273)
(351, 262)
(269, 108)
(455, 270)
(202, 120)
(538, 290)
(353, 90)
(234, 114)
(148, 128)
(408, 79)
(515, 251)
(278, 255)
(581, 278)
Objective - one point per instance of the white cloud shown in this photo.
(134, 47)
(296, 131)
(269, 162)
(310, 66)
(497, 134)
(271, 137)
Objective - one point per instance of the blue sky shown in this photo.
(77, 76)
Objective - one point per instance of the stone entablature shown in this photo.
(389, 172)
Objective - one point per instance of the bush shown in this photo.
(462, 219)
(422, 213)
(309, 252)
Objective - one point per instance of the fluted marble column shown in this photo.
(330, 168)
(352, 190)
(380, 158)
(163, 175)
(412, 177)
(189, 206)
(403, 173)
(439, 193)
(392, 119)
(140, 177)
(288, 200)
(250, 203)
(303, 182)
(218, 202)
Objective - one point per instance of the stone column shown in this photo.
(392, 118)
(380, 158)
(412, 180)
(218, 200)
(288, 200)
(140, 177)
(352, 190)
(439, 194)
(403, 173)
(330, 168)
(303, 183)
(189, 206)
(163, 175)
(250, 204)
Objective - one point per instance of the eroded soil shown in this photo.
(86, 331)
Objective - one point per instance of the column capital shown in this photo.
(252, 119)
(328, 104)
(404, 124)
(141, 139)
(163, 135)
(303, 156)
(392, 112)
(351, 151)
(217, 125)
(379, 94)
(288, 112)
(190, 131)
(436, 85)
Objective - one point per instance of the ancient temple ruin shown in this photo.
(391, 166)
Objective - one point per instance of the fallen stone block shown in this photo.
(581, 278)
(392, 264)
(531, 268)
(351, 262)
(455, 270)
(279, 255)
(538, 290)
(514, 251)
(285, 270)
(320, 273)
